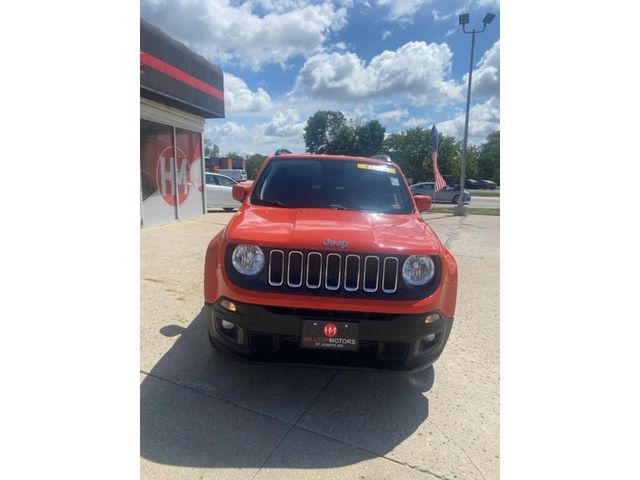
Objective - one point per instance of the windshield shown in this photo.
(337, 184)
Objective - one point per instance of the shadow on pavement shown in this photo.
(200, 408)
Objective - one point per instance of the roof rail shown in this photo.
(382, 157)
(282, 151)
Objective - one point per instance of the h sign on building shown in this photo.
(173, 176)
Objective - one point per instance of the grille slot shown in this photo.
(351, 273)
(276, 268)
(371, 273)
(294, 270)
(314, 270)
(390, 275)
(333, 271)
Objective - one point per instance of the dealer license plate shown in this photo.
(330, 335)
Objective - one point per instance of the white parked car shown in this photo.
(237, 174)
(219, 192)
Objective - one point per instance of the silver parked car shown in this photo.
(446, 195)
(237, 174)
(219, 192)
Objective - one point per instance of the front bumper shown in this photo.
(273, 335)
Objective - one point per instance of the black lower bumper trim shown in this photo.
(389, 342)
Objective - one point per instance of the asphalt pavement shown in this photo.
(206, 416)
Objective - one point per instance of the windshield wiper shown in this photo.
(337, 206)
(274, 203)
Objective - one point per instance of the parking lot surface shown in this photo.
(206, 416)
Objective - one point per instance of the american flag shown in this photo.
(440, 183)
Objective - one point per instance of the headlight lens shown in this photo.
(418, 270)
(248, 259)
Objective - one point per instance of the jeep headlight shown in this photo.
(248, 259)
(418, 270)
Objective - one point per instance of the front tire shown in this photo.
(455, 199)
(423, 380)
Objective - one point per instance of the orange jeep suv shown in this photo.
(329, 262)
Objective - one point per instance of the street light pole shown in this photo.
(463, 20)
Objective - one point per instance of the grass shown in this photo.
(484, 193)
(470, 210)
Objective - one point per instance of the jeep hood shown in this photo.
(308, 228)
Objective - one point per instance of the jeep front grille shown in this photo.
(332, 274)
(333, 271)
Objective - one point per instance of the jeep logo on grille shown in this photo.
(335, 243)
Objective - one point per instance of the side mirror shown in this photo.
(423, 202)
(240, 191)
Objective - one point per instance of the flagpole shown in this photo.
(435, 145)
(434, 185)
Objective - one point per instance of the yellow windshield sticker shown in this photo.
(377, 168)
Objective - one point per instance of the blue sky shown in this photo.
(402, 62)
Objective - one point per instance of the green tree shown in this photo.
(473, 153)
(235, 156)
(410, 149)
(449, 156)
(211, 149)
(368, 139)
(489, 158)
(329, 132)
(321, 130)
(344, 141)
(254, 163)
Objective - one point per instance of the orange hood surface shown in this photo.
(308, 228)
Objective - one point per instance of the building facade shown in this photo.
(213, 164)
(179, 90)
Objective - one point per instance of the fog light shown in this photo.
(432, 317)
(228, 305)
(426, 343)
(227, 325)
(429, 337)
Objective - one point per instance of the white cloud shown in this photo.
(366, 112)
(416, 71)
(484, 118)
(402, 10)
(414, 122)
(488, 3)
(262, 138)
(226, 130)
(392, 116)
(285, 123)
(239, 97)
(280, 5)
(486, 76)
(440, 18)
(225, 32)
(386, 34)
(471, 5)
